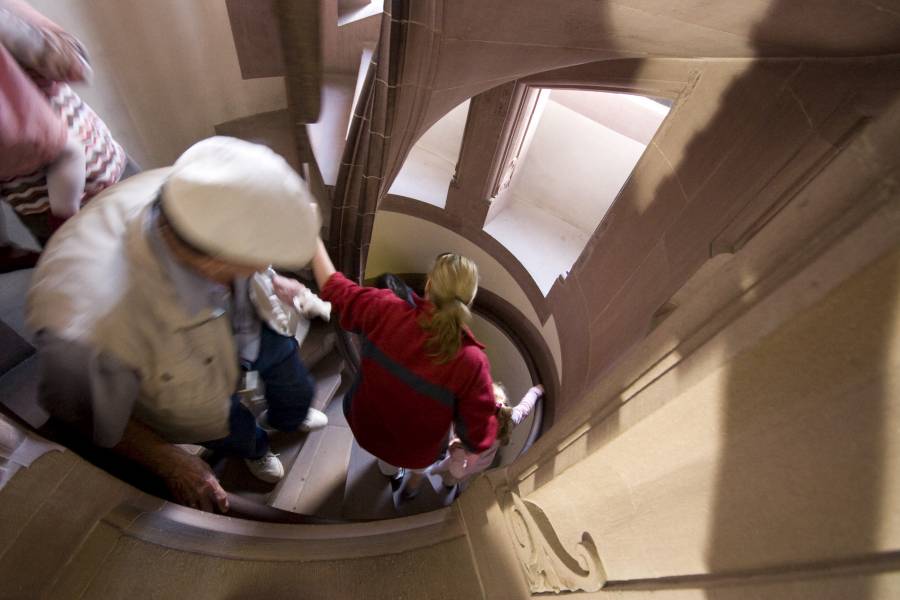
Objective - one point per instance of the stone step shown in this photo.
(315, 483)
(46, 512)
(319, 343)
(254, 27)
(328, 135)
(233, 473)
(346, 6)
(369, 495)
(273, 129)
(262, 40)
(328, 375)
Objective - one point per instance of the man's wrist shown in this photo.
(143, 445)
(168, 461)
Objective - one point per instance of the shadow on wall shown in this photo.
(803, 420)
(803, 423)
(799, 474)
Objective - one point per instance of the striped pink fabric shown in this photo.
(104, 157)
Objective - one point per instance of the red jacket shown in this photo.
(401, 407)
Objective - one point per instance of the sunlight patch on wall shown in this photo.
(578, 152)
(428, 170)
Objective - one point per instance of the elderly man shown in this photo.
(143, 315)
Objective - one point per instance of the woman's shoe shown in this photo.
(413, 486)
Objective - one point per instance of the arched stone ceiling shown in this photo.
(483, 43)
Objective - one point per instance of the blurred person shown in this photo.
(47, 178)
(143, 318)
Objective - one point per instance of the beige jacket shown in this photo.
(99, 283)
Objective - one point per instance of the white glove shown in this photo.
(309, 305)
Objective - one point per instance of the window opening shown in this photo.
(569, 154)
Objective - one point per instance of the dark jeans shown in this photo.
(289, 391)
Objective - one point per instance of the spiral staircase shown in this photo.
(721, 359)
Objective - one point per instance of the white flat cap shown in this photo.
(242, 203)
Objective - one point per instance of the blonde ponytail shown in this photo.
(451, 287)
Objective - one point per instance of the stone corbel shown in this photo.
(548, 566)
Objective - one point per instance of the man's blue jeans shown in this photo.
(289, 392)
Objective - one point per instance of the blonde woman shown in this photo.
(421, 369)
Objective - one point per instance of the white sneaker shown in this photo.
(268, 468)
(315, 419)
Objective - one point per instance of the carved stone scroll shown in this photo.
(548, 566)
